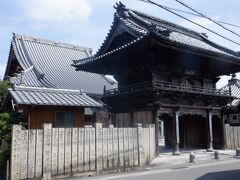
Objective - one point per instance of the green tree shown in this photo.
(6, 121)
(4, 117)
(3, 90)
(8, 118)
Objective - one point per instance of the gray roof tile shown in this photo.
(49, 96)
(52, 65)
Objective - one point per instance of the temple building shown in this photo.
(165, 73)
(45, 87)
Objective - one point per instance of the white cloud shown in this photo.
(56, 10)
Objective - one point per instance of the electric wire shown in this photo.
(205, 16)
(161, 6)
(194, 14)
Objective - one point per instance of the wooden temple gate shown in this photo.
(189, 128)
(162, 65)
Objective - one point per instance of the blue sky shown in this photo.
(86, 22)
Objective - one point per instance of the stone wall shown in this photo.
(51, 151)
(232, 136)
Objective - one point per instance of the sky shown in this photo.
(87, 22)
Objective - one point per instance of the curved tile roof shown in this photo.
(141, 24)
(97, 58)
(233, 87)
(52, 65)
(23, 95)
(182, 35)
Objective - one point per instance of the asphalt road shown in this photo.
(229, 170)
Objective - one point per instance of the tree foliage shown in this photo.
(4, 117)
(7, 119)
(6, 122)
(3, 90)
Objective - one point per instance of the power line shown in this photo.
(194, 14)
(205, 16)
(156, 4)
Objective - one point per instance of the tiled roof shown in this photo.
(87, 60)
(52, 68)
(139, 24)
(23, 95)
(233, 86)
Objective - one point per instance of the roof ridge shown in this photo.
(17, 87)
(185, 31)
(109, 34)
(121, 7)
(52, 42)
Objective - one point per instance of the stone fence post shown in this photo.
(140, 145)
(16, 152)
(52, 151)
(99, 146)
(47, 150)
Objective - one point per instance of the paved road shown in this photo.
(229, 170)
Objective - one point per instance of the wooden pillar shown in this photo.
(29, 121)
(132, 118)
(223, 116)
(176, 139)
(210, 132)
(156, 120)
(162, 129)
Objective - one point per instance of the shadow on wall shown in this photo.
(222, 175)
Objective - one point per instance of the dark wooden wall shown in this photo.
(218, 141)
(168, 130)
(46, 114)
(130, 119)
(193, 132)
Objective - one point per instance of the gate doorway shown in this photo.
(193, 131)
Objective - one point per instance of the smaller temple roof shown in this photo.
(233, 87)
(23, 95)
